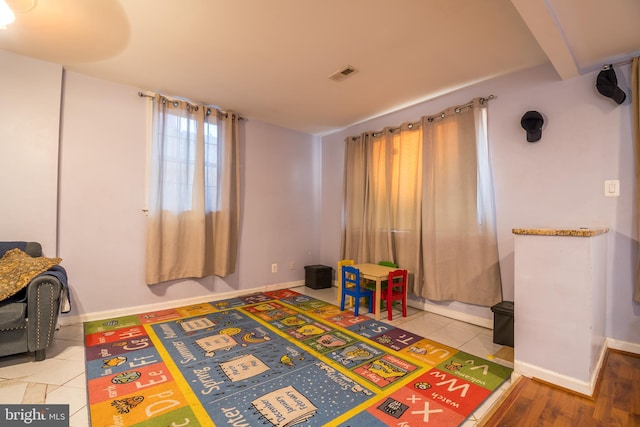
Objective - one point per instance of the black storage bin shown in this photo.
(503, 323)
(317, 276)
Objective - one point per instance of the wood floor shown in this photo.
(616, 402)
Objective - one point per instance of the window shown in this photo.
(421, 195)
(175, 149)
(211, 170)
(192, 225)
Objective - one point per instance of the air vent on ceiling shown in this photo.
(342, 73)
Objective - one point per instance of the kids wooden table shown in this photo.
(377, 273)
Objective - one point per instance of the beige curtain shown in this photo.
(458, 230)
(382, 197)
(192, 226)
(635, 102)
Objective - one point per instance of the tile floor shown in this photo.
(60, 378)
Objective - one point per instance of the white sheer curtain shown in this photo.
(461, 259)
(192, 226)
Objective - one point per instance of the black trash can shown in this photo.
(317, 276)
(503, 323)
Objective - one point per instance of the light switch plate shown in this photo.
(612, 188)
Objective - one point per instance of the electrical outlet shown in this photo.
(274, 268)
(292, 265)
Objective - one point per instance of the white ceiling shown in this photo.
(269, 60)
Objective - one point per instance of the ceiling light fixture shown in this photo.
(6, 14)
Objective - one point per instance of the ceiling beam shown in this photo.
(544, 26)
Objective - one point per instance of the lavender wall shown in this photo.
(30, 116)
(557, 182)
(281, 204)
(102, 193)
(102, 181)
(292, 185)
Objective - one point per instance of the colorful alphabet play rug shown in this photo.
(276, 359)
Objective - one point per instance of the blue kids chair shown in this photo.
(351, 287)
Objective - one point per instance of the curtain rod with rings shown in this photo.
(459, 108)
(431, 118)
(616, 64)
(145, 95)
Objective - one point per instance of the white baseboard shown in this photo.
(532, 371)
(453, 314)
(623, 346)
(574, 384)
(65, 320)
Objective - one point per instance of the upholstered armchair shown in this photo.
(31, 290)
